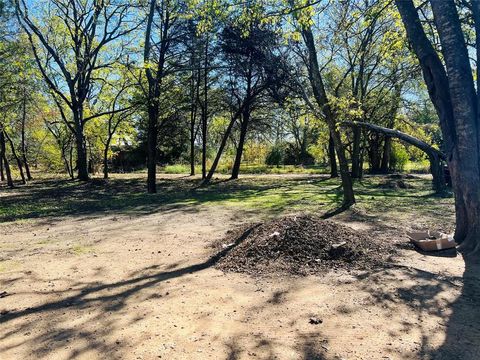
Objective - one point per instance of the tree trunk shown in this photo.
(321, 98)
(19, 162)
(387, 148)
(435, 156)
(152, 149)
(2, 173)
(439, 90)
(82, 158)
(222, 147)
(356, 153)
(105, 160)
(332, 158)
(205, 113)
(241, 143)
(192, 144)
(439, 182)
(3, 152)
(23, 140)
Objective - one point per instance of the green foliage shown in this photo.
(398, 157)
(276, 155)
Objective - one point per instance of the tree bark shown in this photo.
(3, 152)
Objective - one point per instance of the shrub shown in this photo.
(275, 156)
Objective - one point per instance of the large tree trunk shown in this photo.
(152, 149)
(82, 158)
(437, 83)
(455, 101)
(3, 152)
(332, 158)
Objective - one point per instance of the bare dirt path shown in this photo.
(119, 286)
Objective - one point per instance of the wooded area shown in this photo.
(366, 99)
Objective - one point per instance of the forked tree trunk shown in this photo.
(17, 159)
(3, 152)
(223, 143)
(452, 91)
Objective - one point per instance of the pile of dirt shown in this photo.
(395, 185)
(300, 245)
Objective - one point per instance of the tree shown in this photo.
(325, 109)
(69, 64)
(451, 88)
(160, 38)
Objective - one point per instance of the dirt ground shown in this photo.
(142, 286)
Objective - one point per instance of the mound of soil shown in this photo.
(395, 184)
(300, 245)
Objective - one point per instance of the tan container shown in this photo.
(431, 240)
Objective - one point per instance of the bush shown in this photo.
(275, 156)
(294, 157)
(399, 157)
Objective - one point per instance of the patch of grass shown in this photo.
(264, 195)
(9, 265)
(250, 169)
(418, 167)
(81, 249)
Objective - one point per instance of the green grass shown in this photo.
(250, 169)
(263, 195)
(419, 167)
(81, 249)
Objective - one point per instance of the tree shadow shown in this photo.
(429, 295)
(100, 299)
(463, 327)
